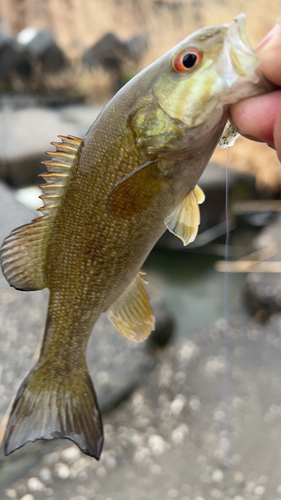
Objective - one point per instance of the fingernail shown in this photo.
(269, 35)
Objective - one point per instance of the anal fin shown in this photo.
(184, 221)
(131, 314)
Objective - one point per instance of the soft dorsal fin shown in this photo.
(131, 314)
(24, 252)
(184, 221)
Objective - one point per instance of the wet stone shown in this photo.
(263, 290)
(23, 143)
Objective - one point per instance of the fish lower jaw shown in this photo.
(243, 90)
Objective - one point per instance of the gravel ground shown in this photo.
(177, 437)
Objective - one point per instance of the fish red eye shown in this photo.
(187, 60)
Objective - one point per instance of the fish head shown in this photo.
(209, 70)
(195, 83)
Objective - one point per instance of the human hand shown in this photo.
(259, 117)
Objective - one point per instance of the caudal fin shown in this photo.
(48, 406)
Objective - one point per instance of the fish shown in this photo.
(108, 197)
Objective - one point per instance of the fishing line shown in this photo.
(225, 380)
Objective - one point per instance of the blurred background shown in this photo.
(194, 413)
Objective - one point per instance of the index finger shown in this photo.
(269, 50)
(256, 117)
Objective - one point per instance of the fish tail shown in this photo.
(49, 405)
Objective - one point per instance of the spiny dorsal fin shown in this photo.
(184, 221)
(24, 252)
(59, 168)
(131, 314)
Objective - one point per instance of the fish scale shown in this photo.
(107, 199)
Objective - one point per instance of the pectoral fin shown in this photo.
(133, 193)
(131, 314)
(184, 221)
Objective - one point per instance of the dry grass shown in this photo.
(79, 23)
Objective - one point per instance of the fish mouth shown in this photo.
(243, 57)
(238, 29)
(242, 54)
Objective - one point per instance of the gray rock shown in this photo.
(112, 53)
(29, 55)
(10, 53)
(41, 45)
(137, 46)
(263, 290)
(26, 133)
(45, 48)
(116, 364)
(108, 52)
(14, 59)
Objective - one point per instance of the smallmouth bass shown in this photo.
(107, 200)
